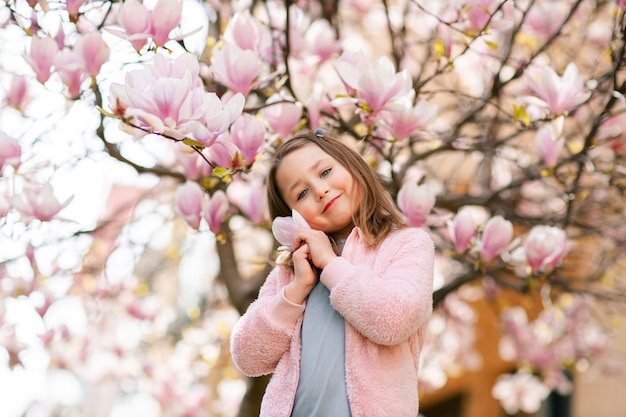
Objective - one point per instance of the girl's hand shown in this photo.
(321, 251)
(305, 276)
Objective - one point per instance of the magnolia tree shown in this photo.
(133, 145)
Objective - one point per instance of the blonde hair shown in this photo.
(376, 216)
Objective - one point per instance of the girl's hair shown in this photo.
(376, 216)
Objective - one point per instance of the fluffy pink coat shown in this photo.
(385, 297)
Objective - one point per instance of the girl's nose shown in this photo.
(322, 191)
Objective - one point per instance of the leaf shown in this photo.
(221, 172)
(193, 143)
(491, 45)
(520, 115)
(440, 48)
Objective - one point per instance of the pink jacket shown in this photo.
(385, 297)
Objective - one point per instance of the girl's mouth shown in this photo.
(330, 203)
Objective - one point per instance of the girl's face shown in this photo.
(320, 189)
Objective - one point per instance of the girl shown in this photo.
(340, 331)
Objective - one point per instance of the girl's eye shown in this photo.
(325, 172)
(302, 194)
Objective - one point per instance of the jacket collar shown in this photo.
(353, 239)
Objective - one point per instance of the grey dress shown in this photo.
(321, 388)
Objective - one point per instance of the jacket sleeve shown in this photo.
(263, 334)
(389, 306)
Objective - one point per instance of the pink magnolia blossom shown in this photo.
(237, 69)
(622, 5)
(13, 346)
(415, 201)
(544, 19)
(252, 202)
(247, 32)
(557, 94)
(497, 234)
(285, 229)
(349, 66)
(134, 18)
(248, 134)
(93, 51)
(520, 391)
(10, 151)
(215, 209)
(59, 38)
(215, 118)
(405, 120)
(192, 164)
(545, 247)
(189, 198)
(321, 40)
(168, 97)
(163, 19)
(72, 7)
(224, 153)
(462, 229)
(139, 24)
(380, 84)
(17, 96)
(478, 13)
(42, 55)
(282, 117)
(38, 201)
(42, 3)
(375, 86)
(316, 103)
(549, 147)
(69, 66)
(5, 205)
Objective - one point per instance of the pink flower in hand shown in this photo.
(10, 151)
(38, 201)
(189, 203)
(559, 94)
(462, 229)
(214, 210)
(415, 201)
(43, 53)
(285, 229)
(497, 234)
(545, 247)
